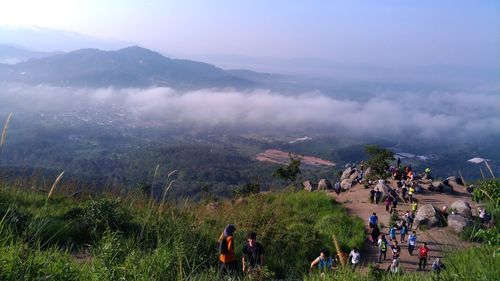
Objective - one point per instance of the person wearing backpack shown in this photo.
(382, 247)
(253, 253)
(227, 257)
(412, 242)
(423, 255)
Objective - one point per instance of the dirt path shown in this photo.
(440, 240)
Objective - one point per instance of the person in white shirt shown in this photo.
(355, 258)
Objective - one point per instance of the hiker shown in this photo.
(396, 249)
(414, 206)
(372, 195)
(394, 267)
(382, 247)
(362, 165)
(404, 192)
(387, 203)
(378, 195)
(324, 262)
(399, 162)
(411, 219)
(359, 178)
(375, 232)
(402, 231)
(373, 221)
(253, 253)
(431, 187)
(411, 191)
(444, 212)
(392, 232)
(423, 255)
(437, 266)
(337, 188)
(412, 242)
(394, 203)
(355, 258)
(227, 257)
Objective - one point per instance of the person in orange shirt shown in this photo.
(227, 257)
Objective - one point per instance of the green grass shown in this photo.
(127, 240)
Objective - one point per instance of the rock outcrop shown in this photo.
(308, 186)
(346, 184)
(457, 222)
(347, 173)
(462, 208)
(428, 216)
(324, 184)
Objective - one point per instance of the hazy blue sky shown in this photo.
(383, 32)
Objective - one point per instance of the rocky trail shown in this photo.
(440, 240)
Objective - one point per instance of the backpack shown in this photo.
(223, 250)
(383, 246)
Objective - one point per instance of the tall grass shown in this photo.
(3, 138)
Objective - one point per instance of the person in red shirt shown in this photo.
(423, 255)
(227, 257)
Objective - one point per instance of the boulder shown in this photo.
(384, 188)
(454, 180)
(308, 186)
(354, 175)
(346, 174)
(428, 216)
(346, 184)
(368, 172)
(462, 208)
(324, 184)
(457, 222)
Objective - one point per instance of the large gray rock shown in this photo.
(428, 216)
(346, 174)
(368, 172)
(454, 180)
(324, 184)
(308, 186)
(457, 222)
(346, 184)
(354, 175)
(384, 188)
(462, 208)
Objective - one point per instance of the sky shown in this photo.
(384, 32)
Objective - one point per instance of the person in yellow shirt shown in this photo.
(227, 257)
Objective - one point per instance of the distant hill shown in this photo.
(128, 67)
(11, 54)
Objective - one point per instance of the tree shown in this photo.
(290, 171)
(379, 159)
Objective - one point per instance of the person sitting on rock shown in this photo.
(431, 187)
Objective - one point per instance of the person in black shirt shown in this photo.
(253, 253)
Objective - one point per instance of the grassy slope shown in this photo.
(129, 239)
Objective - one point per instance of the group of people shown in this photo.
(253, 252)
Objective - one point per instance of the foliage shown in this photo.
(290, 171)
(487, 190)
(247, 189)
(378, 160)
